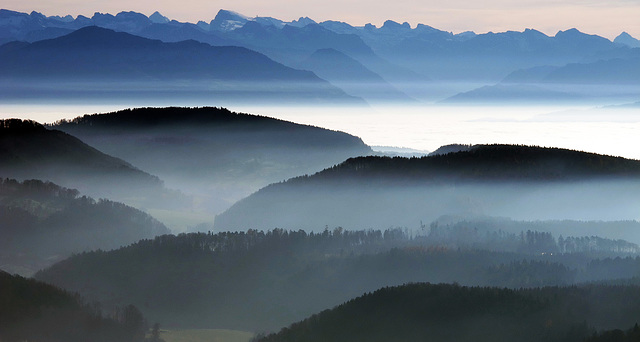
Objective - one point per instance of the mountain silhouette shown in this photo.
(97, 56)
(351, 76)
(623, 70)
(406, 57)
(626, 39)
(98, 52)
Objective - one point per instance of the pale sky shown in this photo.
(606, 18)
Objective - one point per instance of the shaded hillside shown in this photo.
(93, 60)
(515, 93)
(255, 280)
(442, 312)
(41, 223)
(619, 71)
(351, 76)
(491, 162)
(214, 152)
(28, 150)
(34, 311)
(613, 76)
(497, 180)
(479, 231)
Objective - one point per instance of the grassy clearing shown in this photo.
(205, 335)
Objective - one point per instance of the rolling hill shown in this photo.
(497, 180)
(261, 281)
(34, 311)
(442, 312)
(42, 223)
(28, 150)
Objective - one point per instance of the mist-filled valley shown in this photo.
(256, 179)
(217, 155)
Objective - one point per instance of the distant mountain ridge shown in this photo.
(626, 39)
(107, 62)
(402, 55)
(351, 76)
(95, 50)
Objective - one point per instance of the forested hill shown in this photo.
(257, 281)
(34, 311)
(28, 146)
(488, 162)
(521, 182)
(28, 150)
(419, 312)
(220, 155)
(41, 223)
(214, 120)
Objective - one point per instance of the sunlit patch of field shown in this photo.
(205, 335)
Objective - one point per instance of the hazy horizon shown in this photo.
(597, 129)
(549, 17)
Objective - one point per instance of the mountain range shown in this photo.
(93, 58)
(400, 55)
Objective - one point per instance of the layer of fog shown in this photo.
(606, 127)
(375, 205)
(611, 130)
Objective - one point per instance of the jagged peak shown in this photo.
(158, 18)
(390, 24)
(227, 15)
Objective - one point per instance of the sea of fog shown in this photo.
(611, 130)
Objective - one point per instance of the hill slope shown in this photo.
(41, 223)
(34, 311)
(28, 150)
(214, 152)
(258, 280)
(418, 312)
(497, 180)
